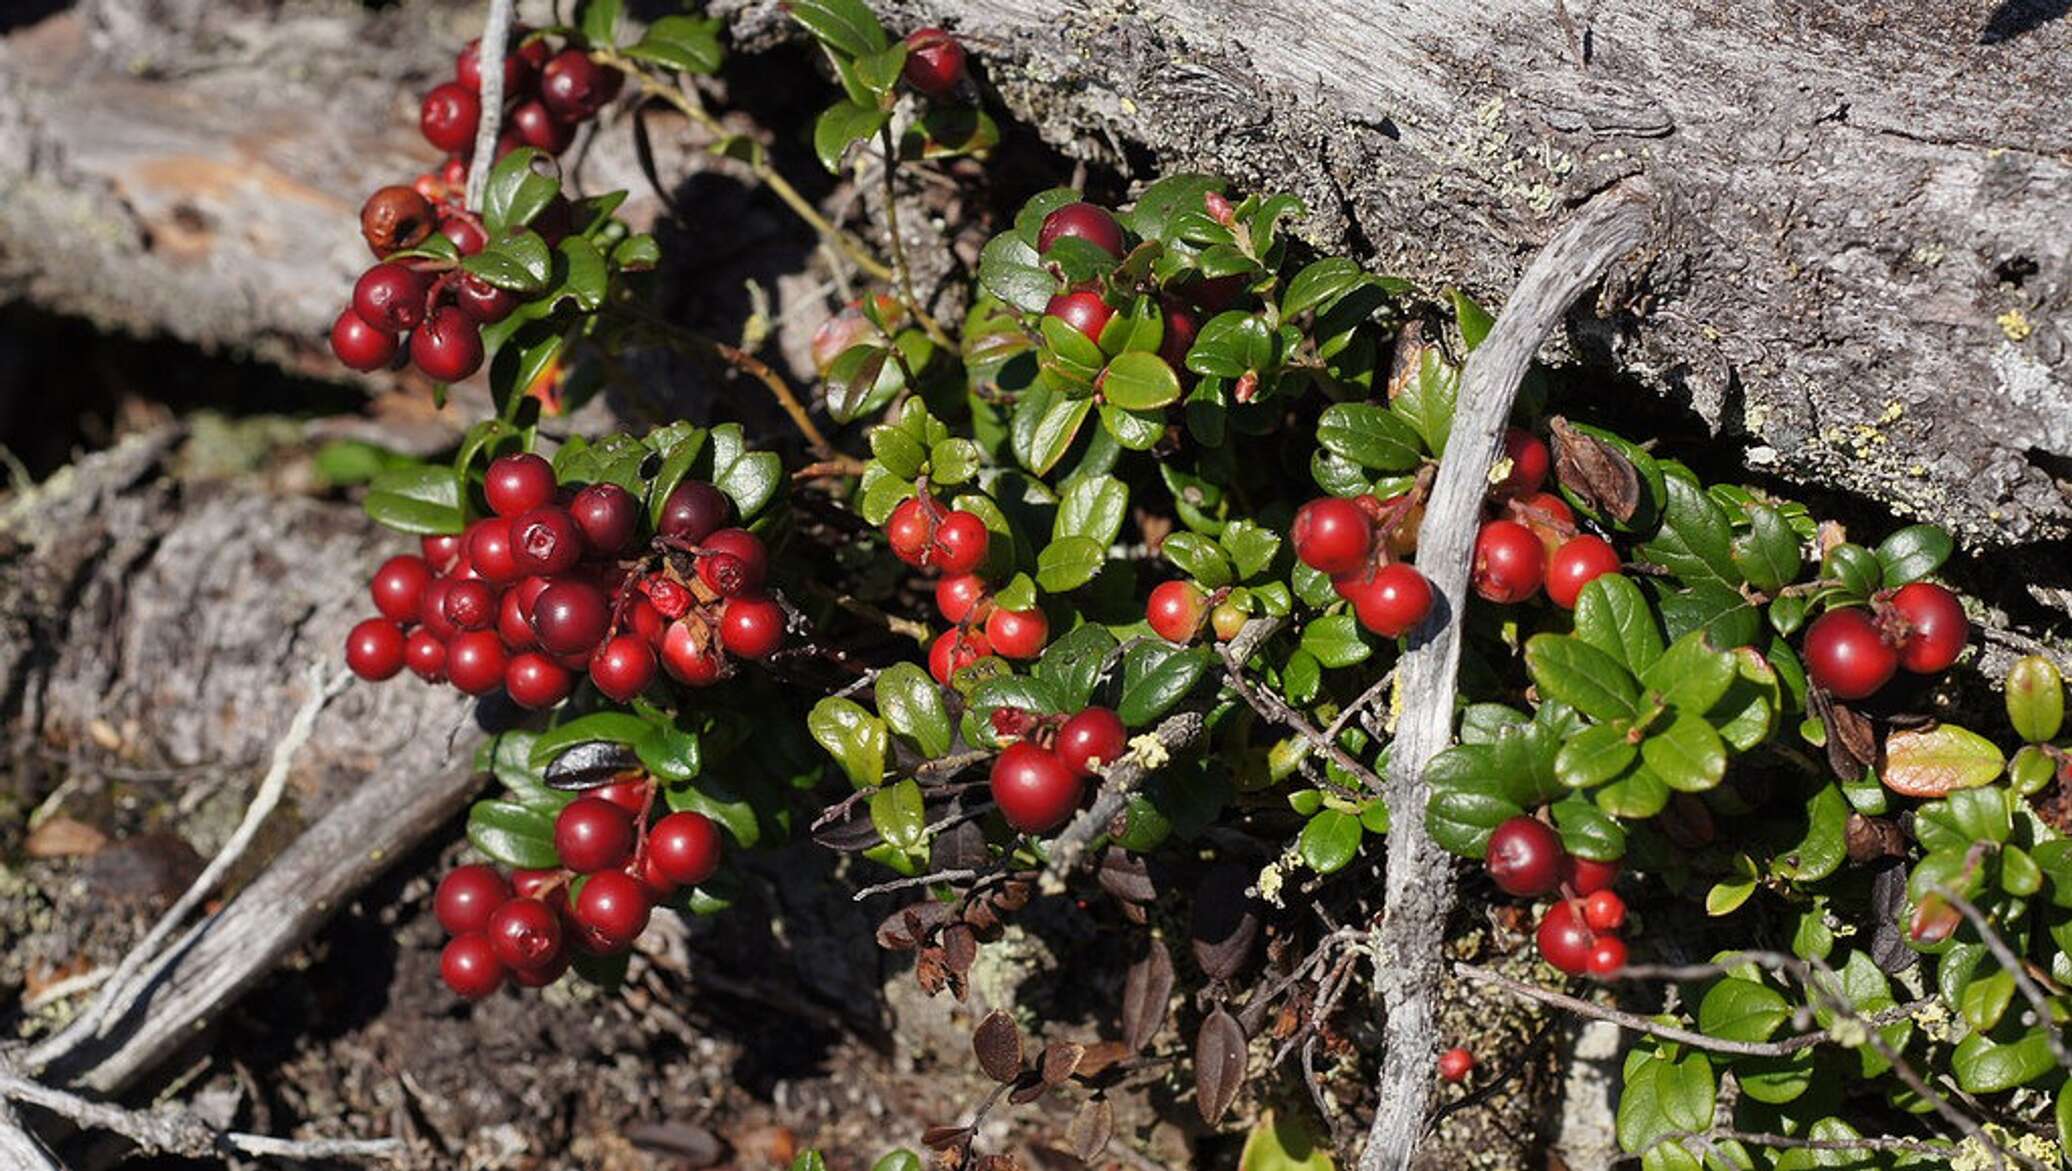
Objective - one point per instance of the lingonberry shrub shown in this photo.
(1119, 568)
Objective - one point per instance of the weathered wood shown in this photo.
(19, 1149)
(1420, 883)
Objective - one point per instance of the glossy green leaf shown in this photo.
(898, 814)
(1164, 686)
(1735, 1009)
(520, 186)
(685, 43)
(1093, 508)
(1329, 840)
(1139, 381)
(1614, 616)
(1068, 563)
(1696, 542)
(417, 498)
(911, 703)
(1595, 755)
(1984, 1066)
(846, 26)
(842, 126)
(1370, 436)
(853, 736)
(1686, 753)
(1336, 641)
(520, 263)
(513, 835)
(2035, 699)
(1768, 553)
(1913, 553)
(1582, 676)
(1198, 557)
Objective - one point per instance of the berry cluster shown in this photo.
(1087, 310)
(926, 535)
(549, 585)
(1534, 540)
(1038, 780)
(616, 865)
(1580, 931)
(1354, 543)
(1854, 652)
(427, 308)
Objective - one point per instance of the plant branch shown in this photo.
(692, 342)
(496, 36)
(1272, 708)
(1787, 1143)
(899, 260)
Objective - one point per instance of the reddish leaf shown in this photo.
(1145, 992)
(1597, 473)
(1219, 1065)
(1059, 1059)
(1091, 1129)
(999, 1046)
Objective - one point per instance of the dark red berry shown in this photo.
(733, 562)
(467, 897)
(690, 654)
(468, 605)
(1524, 857)
(630, 794)
(1017, 634)
(935, 62)
(1608, 955)
(685, 847)
(432, 610)
(467, 237)
(448, 346)
(909, 530)
(449, 115)
(374, 649)
(518, 483)
(1036, 793)
(490, 551)
(1084, 221)
(1587, 876)
(1181, 328)
(694, 511)
(570, 616)
(624, 668)
(514, 621)
(1083, 311)
(608, 516)
(1936, 629)
(1530, 461)
(546, 541)
(957, 596)
(390, 297)
(1604, 911)
(1580, 561)
(592, 834)
(522, 59)
(475, 661)
(537, 127)
(470, 967)
(361, 346)
(1175, 611)
(751, 627)
(541, 977)
(394, 218)
(1393, 601)
(953, 650)
(575, 87)
(614, 906)
(525, 933)
(961, 543)
(1509, 562)
(1565, 941)
(398, 587)
(425, 654)
(1089, 739)
(1847, 654)
(441, 550)
(1456, 1064)
(482, 301)
(535, 681)
(1333, 536)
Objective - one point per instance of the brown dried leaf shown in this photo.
(62, 837)
(959, 948)
(930, 972)
(1597, 473)
(961, 847)
(1405, 357)
(1852, 740)
(998, 1044)
(1027, 1089)
(1687, 822)
(1091, 1128)
(1870, 838)
(904, 929)
(981, 920)
(998, 1163)
(1226, 922)
(1219, 1065)
(1126, 876)
(1145, 992)
(1099, 1058)
(1012, 896)
(1059, 1059)
(1937, 760)
(937, 1138)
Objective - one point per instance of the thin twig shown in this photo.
(692, 342)
(496, 35)
(1271, 707)
(180, 1132)
(1355, 707)
(900, 268)
(917, 880)
(1787, 1143)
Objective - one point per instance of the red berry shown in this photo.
(1608, 956)
(1580, 561)
(690, 654)
(935, 62)
(475, 662)
(1524, 857)
(1093, 737)
(1847, 654)
(537, 127)
(575, 87)
(608, 516)
(467, 236)
(469, 966)
(1604, 911)
(752, 627)
(954, 650)
(1509, 562)
(1181, 328)
(961, 542)
(908, 530)
(1083, 311)
(570, 617)
(647, 621)
(361, 346)
(1936, 627)
(535, 681)
(1394, 601)
(624, 668)
(526, 934)
(398, 587)
(694, 511)
(1456, 1064)
(1565, 940)
(1175, 611)
(425, 654)
(685, 848)
(1085, 221)
(374, 649)
(441, 550)
(1587, 876)
(390, 297)
(448, 346)
(521, 61)
(614, 906)
(592, 834)
(514, 619)
(1017, 634)
(1033, 788)
(468, 604)
(541, 977)
(490, 552)
(958, 595)
(1530, 461)
(395, 217)
(448, 117)
(630, 794)
(467, 897)
(546, 541)
(482, 301)
(1333, 536)
(733, 562)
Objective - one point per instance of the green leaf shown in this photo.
(857, 382)
(1336, 641)
(636, 253)
(1068, 563)
(1687, 754)
(1044, 426)
(1582, 676)
(750, 477)
(1329, 841)
(418, 498)
(1251, 547)
(1587, 832)
(1638, 795)
(1009, 268)
(520, 263)
(1821, 851)
(1198, 557)
(585, 278)
(1153, 214)
(1093, 508)
(1165, 685)
(1855, 570)
(678, 454)
(1984, 1066)
(2035, 699)
(1690, 674)
(1320, 284)
(1474, 321)
(898, 451)
(1768, 553)
(1913, 553)
(1663, 1097)
(846, 26)
(842, 126)
(615, 727)
(899, 814)
(953, 462)
(1426, 402)
(1133, 430)
(1231, 344)
(1595, 755)
(1139, 381)
(1696, 541)
(670, 752)
(1613, 616)
(1735, 1009)
(599, 22)
(1370, 436)
(513, 834)
(1073, 663)
(1723, 614)
(911, 703)
(853, 736)
(681, 42)
(521, 185)
(1747, 714)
